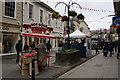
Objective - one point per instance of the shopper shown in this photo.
(96, 48)
(111, 46)
(105, 49)
(32, 45)
(118, 53)
(41, 49)
(26, 47)
(60, 45)
(18, 49)
(48, 45)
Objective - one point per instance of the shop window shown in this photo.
(41, 16)
(30, 11)
(56, 23)
(49, 21)
(10, 8)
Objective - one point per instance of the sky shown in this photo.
(95, 19)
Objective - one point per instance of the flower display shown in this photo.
(80, 16)
(72, 13)
(64, 18)
(55, 15)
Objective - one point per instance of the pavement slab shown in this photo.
(97, 67)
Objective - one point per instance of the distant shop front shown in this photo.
(9, 37)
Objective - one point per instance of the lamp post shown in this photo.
(68, 8)
(21, 23)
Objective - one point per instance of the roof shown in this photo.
(46, 6)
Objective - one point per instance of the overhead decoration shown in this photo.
(97, 10)
(72, 13)
(86, 8)
(55, 15)
(80, 16)
(64, 18)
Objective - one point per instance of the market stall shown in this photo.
(26, 57)
(76, 34)
(84, 47)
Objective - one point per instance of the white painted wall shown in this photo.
(36, 18)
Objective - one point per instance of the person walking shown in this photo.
(48, 45)
(41, 49)
(96, 48)
(111, 46)
(32, 46)
(60, 45)
(105, 49)
(115, 46)
(18, 49)
(118, 53)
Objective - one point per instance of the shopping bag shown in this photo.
(105, 51)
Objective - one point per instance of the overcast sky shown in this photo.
(94, 19)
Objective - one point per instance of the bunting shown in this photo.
(84, 8)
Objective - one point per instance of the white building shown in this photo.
(82, 26)
(39, 13)
(10, 18)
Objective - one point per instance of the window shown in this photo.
(49, 21)
(61, 24)
(41, 16)
(56, 23)
(30, 11)
(81, 29)
(10, 8)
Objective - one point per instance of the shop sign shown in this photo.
(4, 28)
(116, 21)
(38, 25)
(38, 29)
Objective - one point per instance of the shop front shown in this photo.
(59, 37)
(37, 33)
(9, 37)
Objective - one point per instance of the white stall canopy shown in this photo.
(76, 34)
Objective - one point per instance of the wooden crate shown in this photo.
(24, 71)
(26, 60)
(25, 66)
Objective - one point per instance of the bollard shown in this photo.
(33, 69)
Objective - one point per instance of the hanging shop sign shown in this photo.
(27, 26)
(38, 28)
(38, 25)
(116, 22)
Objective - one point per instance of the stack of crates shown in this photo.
(25, 65)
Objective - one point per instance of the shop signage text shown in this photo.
(38, 25)
(4, 28)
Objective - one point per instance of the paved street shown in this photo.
(97, 67)
(11, 70)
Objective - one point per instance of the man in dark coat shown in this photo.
(48, 45)
(18, 49)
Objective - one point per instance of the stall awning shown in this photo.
(38, 35)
